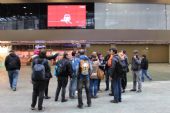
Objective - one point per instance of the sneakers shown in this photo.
(123, 91)
(110, 94)
(33, 108)
(89, 105)
(139, 91)
(133, 90)
(80, 106)
(64, 100)
(47, 97)
(41, 109)
(14, 89)
(114, 101)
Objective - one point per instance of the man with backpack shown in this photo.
(38, 81)
(75, 69)
(85, 70)
(124, 61)
(13, 65)
(136, 71)
(116, 73)
(62, 71)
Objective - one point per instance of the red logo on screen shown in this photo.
(66, 16)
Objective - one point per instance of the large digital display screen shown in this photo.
(67, 16)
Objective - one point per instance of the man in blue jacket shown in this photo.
(85, 69)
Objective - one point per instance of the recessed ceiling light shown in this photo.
(24, 7)
(30, 13)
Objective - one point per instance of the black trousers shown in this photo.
(62, 84)
(84, 82)
(46, 87)
(98, 87)
(124, 81)
(38, 91)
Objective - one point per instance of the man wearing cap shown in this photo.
(12, 65)
(136, 71)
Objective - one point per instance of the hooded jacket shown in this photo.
(12, 62)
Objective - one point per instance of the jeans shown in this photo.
(145, 73)
(38, 91)
(62, 83)
(137, 79)
(93, 87)
(13, 78)
(116, 89)
(73, 87)
(84, 82)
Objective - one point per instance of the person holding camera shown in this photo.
(136, 71)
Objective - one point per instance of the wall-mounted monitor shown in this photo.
(67, 16)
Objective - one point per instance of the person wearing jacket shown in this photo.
(144, 67)
(84, 79)
(115, 77)
(63, 78)
(136, 71)
(12, 65)
(47, 70)
(39, 85)
(124, 61)
(75, 69)
(107, 71)
(93, 77)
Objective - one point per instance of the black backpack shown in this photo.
(120, 68)
(38, 71)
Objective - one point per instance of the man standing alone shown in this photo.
(13, 65)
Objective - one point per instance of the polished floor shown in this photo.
(155, 97)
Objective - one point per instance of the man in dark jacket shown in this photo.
(38, 85)
(107, 71)
(48, 74)
(144, 67)
(63, 77)
(13, 65)
(136, 71)
(116, 77)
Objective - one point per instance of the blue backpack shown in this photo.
(59, 68)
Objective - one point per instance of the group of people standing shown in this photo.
(83, 72)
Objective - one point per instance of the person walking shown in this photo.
(13, 65)
(144, 67)
(136, 71)
(85, 70)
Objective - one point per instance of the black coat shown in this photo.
(144, 64)
(12, 62)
